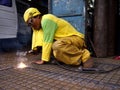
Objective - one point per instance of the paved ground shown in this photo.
(53, 77)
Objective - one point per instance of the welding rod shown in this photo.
(2, 69)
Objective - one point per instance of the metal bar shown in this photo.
(70, 15)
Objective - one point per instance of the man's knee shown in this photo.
(56, 45)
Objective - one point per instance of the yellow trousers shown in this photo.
(71, 50)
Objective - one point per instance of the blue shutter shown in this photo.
(71, 10)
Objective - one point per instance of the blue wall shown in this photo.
(71, 10)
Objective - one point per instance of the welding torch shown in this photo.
(35, 50)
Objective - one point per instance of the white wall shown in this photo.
(8, 21)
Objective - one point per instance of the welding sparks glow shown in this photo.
(21, 65)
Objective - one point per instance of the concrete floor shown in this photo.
(53, 77)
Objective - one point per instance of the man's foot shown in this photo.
(88, 64)
(39, 62)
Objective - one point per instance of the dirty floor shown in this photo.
(53, 77)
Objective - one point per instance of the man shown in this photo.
(58, 36)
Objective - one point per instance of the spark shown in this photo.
(21, 65)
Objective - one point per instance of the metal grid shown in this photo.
(52, 77)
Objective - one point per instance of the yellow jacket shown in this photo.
(53, 28)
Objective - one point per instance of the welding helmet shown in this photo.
(30, 12)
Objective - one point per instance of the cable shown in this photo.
(87, 70)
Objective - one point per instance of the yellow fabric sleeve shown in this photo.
(47, 51)
(37, 38)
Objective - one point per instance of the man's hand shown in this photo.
(36, 50)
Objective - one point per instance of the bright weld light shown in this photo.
(21, 65)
